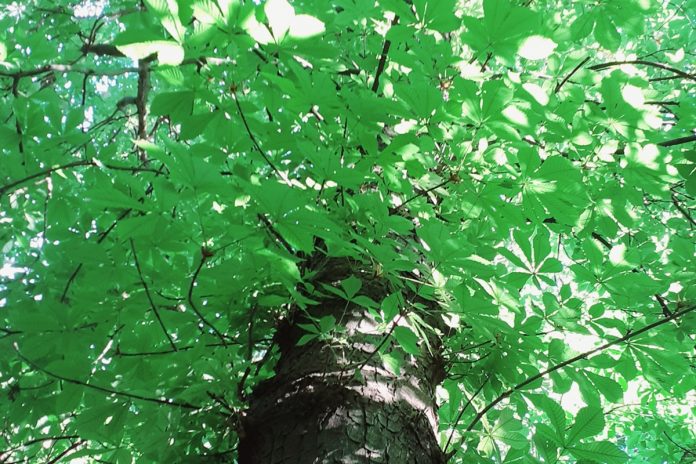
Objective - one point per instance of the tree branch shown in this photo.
(683, 211)
(421, 194)
(12, 185)
(687, 451)
(383, 57)
(204, 258)
(149, 297)
(134, 396)
(540, 375)
(253, 139)
(66, 68)
(461, 413)
(275, 234)
(678, 72)
(65, 452)
(575, 69)
(102, 50)
(8, 452)
(665, 143)
(178, 350)
(678, 141)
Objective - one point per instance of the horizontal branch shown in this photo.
(14, 184)
(110, 50)
(67, 68)
(102, 50)
(666, 143)
(8, 452)
(421, 193)
(586, 354)
(134, 396)
(678, 72)
(179, 349)
(678, 141)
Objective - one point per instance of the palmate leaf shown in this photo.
(476, 218)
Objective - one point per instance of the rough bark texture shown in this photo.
(318, 409)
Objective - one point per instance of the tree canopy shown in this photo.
(172, 170)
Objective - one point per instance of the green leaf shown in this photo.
(306, 338)
(437, 14)
(606, 34)
(601, 451)
(609, 388)
(390, 306)
(508, 430)
(175, 104)
(351, 286)
(551, 265)
(391, 363)
(327, 324)
(407, 339)
(554, 412)
(589, 422)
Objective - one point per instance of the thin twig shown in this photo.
(575, 69)
(221, 401)
(149, 296)
(685, 450)
(653, 64)
(67, 68)
(8, 452)
(461, 412)
(205, 321)
(46, 172)
(665, 143)
(276, 234)
(65, 452)
(383, 58)
(376, 349)
(179, 349)
(253, 138)
(663, 304)
(602, 240)
(630, 335)
(180, 404)
(683, 211)
(421, 194)
(71, 279)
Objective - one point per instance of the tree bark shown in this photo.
(333, 401)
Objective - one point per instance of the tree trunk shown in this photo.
(333, 401)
